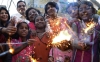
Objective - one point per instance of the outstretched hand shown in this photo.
(30, 41)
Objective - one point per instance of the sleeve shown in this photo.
(51, 52)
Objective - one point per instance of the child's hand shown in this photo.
(51, 59)
(81, 44)
(30, 41)
(33, 32)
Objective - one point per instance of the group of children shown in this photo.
(36, 37)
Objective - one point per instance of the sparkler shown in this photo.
(12, 43)
(63, 35)
(90, 26)
(32, 59)
(9, 51)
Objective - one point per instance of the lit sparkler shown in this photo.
(11, 50)
(32, 59)
(90, 26)
(63, 35)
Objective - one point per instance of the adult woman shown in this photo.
(31, 13)
(5, 30)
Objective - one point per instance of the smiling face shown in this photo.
(3, 15)
(21, 8)
(73, 11)
(32, 14)
(23, 30)
(51, 10)
(85, 12)
(40, 22)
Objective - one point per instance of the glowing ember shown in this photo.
(63, 35)
(89, 27)
(32, 59)
(11, 50)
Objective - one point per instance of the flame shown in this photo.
(32, 59)
(11, 50)
(89, 26)
(63, 35)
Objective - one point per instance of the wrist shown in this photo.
(1, 29)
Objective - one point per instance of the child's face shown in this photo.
(23, 30)
(73, 11)
(51, 10)
(85, 12)
(40, 22)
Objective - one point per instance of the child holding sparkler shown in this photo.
(23, 48)
(41, 46)
(55, 25)
(88, 41)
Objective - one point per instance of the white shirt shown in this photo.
(19, 18)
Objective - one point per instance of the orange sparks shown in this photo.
(11, 50)
(32, 59)
(89, 27)
(63, 35)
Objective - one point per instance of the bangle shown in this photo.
(1, 29)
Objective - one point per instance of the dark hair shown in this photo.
(73, 4)
(16, 35)
(27, 11)
(19, 2)
(53, 4)
(37, 16)
(2, 8)
(89, 4)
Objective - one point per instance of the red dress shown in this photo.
(41, 49)
(24, 55)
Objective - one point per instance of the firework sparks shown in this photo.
(32, 59)
(89, 27)
(63, 35)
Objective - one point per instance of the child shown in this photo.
(72, 10)
(56, 24)
(41, 48)
(22, 51)
(89, 50)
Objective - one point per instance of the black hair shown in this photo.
(27, 11)
(53, 4)
(73, 4)
(20, 1)
(16, 35)
(41, 16)
(37, 16)
(89, 4)
(2, 8)
(7, 21)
